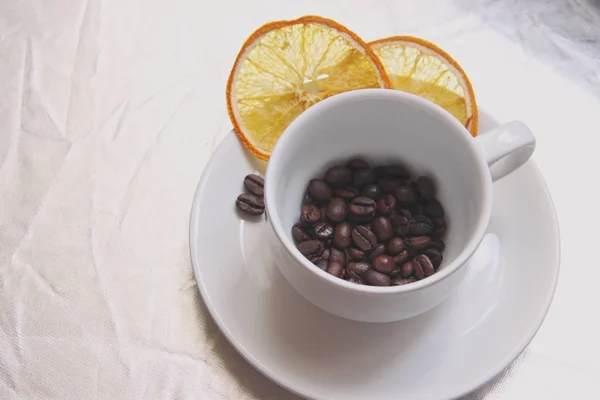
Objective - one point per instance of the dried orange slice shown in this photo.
(417, 66)
(287, 66)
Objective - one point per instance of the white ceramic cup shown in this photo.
(385, 126)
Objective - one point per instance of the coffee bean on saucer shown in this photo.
(310, 215)
(320, 190)
(299, 233)
(363, 238)
(342, 235)
(311, 248)
(255, 184)
(250, 204)
(338, 175)
(337, 209)
(377, 278)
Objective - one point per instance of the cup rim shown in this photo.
(362, 95)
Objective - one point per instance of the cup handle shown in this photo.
(506, 147)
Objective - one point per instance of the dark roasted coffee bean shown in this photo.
(356, 254)
(435, 255)
(323, 212)
(386, 204)
(362, 207)
(407, 269)
(363, 238)
(357, 163)
(405, 194)
(310, 215)
(377, 278)
(323, 231)
(326, 253)
(337, 209)
(299, 233)
(363, 177)
(384, 263)
(417, 209)
(405, 213)
(337, 256)
(395, 171)
(426, 265)
(439, 244)
(395, 245)
(383, 229)
(433, 209)
(250, 204)
(346, 193)
(319, 190)
(402, 281)
(437, 222)
(335, 268)
(371, 190)
(311, 248)
(255, 184)
(418, 242)
(342, 236)
(440, 230)
(377, 251)
(307, 199)
(388, 185)
(426, 187)
(418, 270)
(356, 279)
(401, 257)
(338, 175)
(402, 225)
(421, 225)
(357, 268)
(321, 262)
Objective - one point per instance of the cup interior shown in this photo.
(383, 126)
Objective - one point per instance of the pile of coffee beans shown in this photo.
(252, 201)
(372, 225)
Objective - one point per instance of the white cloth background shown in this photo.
(109, 109)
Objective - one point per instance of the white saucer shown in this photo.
(442, 354)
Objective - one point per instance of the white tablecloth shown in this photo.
(109, 109)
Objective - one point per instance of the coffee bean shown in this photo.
(377, 278)
(384, 263)
(388, 185)
(326, 254)
(433, 209)
(250, 204)
(323, 212)
(321, 262)
(439, 244)
(395, 245)
(255, 184)
(319, 190)
(338, 175)
(371, 190)
(440, 230)
(311, 248)
(299, 233)
(421, 225)
(357, 163)
(394, 170)
(405, 194)
(382, 227)
(426, 187)
(363, 177)
(386, 204)
(377, 251)
(335, 268)
(337, 209)
(418, 242)
(342, 235)
(426, 265)
(323, 231)
(363, 238)
(407, 269)
(346, 193)
(402, 225)
(405, 213)
(356, 254)
(362, 207)
(307, 199)
(310, 214)
(356, 279)
(435, 255)
(357, 268)
(402, 281)
(418, 270)
(417, 209)
(401, 257)
(337, 256)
